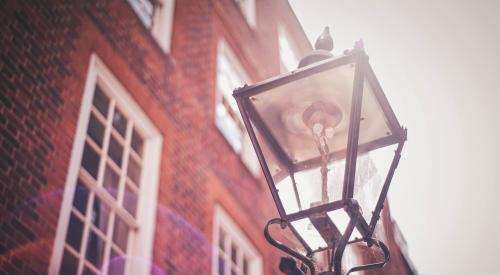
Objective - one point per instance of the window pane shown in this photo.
(111, 181)
(245, 266)
(95, 130)
(130, 200)
(144, 10)
(87, 271)
(234, 251)
(120, 233)
(116, 263)
(101, 101)
(100, 215)
(222, 237)
(134, 170)
(115, 150)
(69, 263)
(90, 160)
(81, 197)
(95, 249)
(222, 265)
(120, 122)
(137, 142)
(74, 235)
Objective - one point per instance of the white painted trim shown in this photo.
(248, 9)
(142, 244)
(163, 24)
(246, 154)
(74, 166)
(284, 34)
(222, 219)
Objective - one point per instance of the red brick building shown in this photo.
(121, 149)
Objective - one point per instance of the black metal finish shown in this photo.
(319, 61)
(378, 244)
(387, 183)
(285, 248)
(352, 142)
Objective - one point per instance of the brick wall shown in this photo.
(45, 48)
(45, 52)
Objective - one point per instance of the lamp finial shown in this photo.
(324, 41)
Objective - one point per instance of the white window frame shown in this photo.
(289, 59)
(162, 22)
(246, 152)
(141, 243)
(248, 9)
(224, 221)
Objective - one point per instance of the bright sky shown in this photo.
(438, 62)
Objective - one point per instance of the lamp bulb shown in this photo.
(317, 129)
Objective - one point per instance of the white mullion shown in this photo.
(239, 260)
(85, 235)
(117, 135)
(105, 143)
(90, 266)
(114, 166)
(100, 117)
(87, 179)
(111, 203)
(123, 170)
(94, 146)
(72, 250)
(97, 231)
(135, 155)
(78, 214)
(227, 248)
(117, 248)
(127, 145)
(133, 186)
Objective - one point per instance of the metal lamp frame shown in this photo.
(398, 136)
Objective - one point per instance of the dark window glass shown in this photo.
(222, 265)
(137, 142)
(101, 101)
(74, 235)
(111, 181)
(69, 264)
(120, 234)
(233, 253)
(245, 266)
(116, 263)
(100, 215)
(87, 271)
(90, 160)
(95, 130)
(95, 249)
(134, 170)
(130, 200)
(120, 122)
(222, 237)
(115, 151)
(81, 197)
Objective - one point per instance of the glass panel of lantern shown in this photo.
(302, 129)
(379, 135)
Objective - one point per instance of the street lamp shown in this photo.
(310, 129)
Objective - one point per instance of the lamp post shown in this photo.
(311, 128)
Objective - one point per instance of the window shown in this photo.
(156, 15)
(230, 75)
(288, 59)
(233, 253)
(247, 7)
(111, 186)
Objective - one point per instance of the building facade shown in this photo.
(122, 150)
